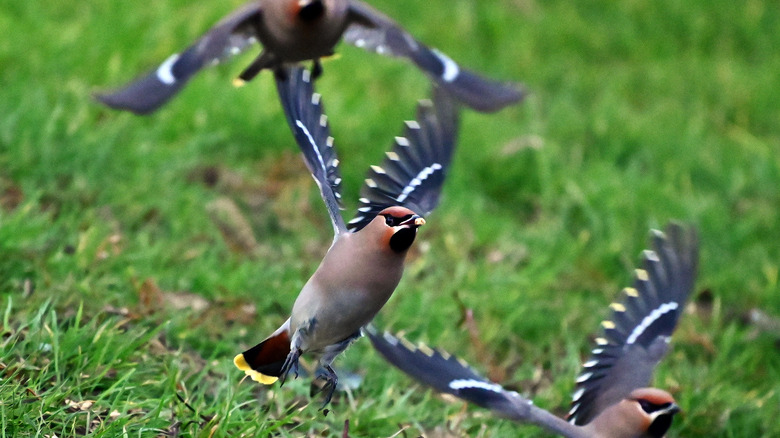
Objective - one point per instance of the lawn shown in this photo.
(138, 255)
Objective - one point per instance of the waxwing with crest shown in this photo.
(611, 399)
(292, 31)
(365, 261)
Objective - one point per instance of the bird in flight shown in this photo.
(291, 31)
(365, 262)
(611, 398)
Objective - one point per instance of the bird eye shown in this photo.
(652, 407)
(393, 221)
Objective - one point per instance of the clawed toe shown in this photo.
(331, 382)
(290, 365)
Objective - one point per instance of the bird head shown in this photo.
(658, 408)
(400, 227)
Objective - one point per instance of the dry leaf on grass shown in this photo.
(762, 322)
(110, 246)
(11, 195)
(233, 225)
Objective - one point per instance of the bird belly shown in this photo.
(301, 43)
(336, 318)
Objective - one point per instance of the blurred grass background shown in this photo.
(139, 254)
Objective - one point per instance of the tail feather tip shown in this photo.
(240, 362)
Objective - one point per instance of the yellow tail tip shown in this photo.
(238, 82)
(242, 365)
(240, 362)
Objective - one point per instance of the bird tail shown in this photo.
(263, 362)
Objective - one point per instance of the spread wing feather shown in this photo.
(413, 173)
(304, 112)
(232, 35)
(635, 337)
(374, 31)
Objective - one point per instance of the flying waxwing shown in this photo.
(611, 399)
(291, 31)
(364, 264)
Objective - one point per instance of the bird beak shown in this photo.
(414, 221)
(672, 409)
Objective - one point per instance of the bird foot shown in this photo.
(290, 365)
(331, 381)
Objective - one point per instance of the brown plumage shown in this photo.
(611, 399)
(645, 413)
(364, 264)
(296, 30)
(355, 279)
(292, 31)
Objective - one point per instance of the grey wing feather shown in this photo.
(413, 173)
(374, 31)
(304, 112)
(227, 38)
(443, 372)
(635, 337)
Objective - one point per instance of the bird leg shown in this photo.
(331, 381)
(316, 69)
(290, 364)
(263, 61)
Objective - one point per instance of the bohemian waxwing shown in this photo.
(611, 399)
(364, 264)
(291, 31)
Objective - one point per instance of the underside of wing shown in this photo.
(375, 32)
(229, 37)
(441, 371)
(636, 335)
(304, 112)
(413, 173)
(369, 28)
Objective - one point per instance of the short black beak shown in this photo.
(672, 409)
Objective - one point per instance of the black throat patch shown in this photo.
(660, 425)
(312, 11)
(403, 239)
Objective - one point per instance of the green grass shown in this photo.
(120, 294)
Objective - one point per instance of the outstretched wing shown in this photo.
(227, 38)
(303, 108)
(413, 173)
(636, 336)
(451, 375)
(443, 372)
(374, 31)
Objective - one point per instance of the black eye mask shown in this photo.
(393, 221)
(650, 407)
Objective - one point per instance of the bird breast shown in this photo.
(348, 289)
(291, 39)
